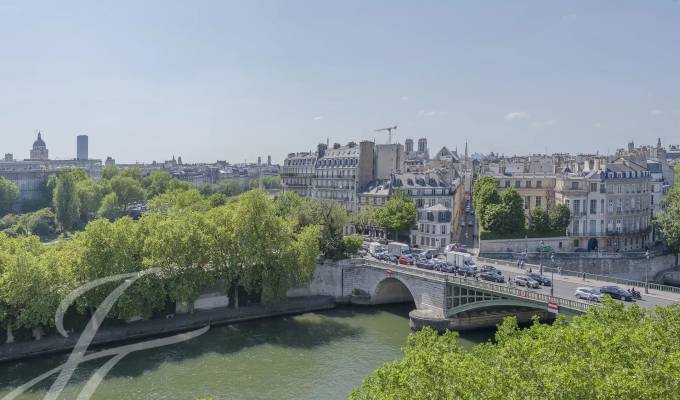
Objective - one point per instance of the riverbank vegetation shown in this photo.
(611, 352)
(255, 246)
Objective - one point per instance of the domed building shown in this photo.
(39, 150)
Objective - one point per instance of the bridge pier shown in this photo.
(471, 321)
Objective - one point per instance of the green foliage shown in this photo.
(612, 352)
(539, 220)
(249, 243)
(352, 244)
(485, 193)
(560, 216)
(668, 221)
(109, 172)
(158, 182)
(110, 207)
(228, 187)
(8, 195)
(132, 172)
(178, 199)
(398, 214)
(331, 216)
(41, 223)
(127, 189)
(504, 217)
(90, 195)
(65, 201)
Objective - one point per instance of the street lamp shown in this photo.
(552, 272)
(647, 272)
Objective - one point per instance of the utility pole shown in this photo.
(389, 132)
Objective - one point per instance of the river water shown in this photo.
(315, 356)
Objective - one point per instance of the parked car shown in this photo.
(588, 293)
(526, 281)
(543, 280)
(405, 259)
(616, 293)
(493, 276)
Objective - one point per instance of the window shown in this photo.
(527, 202)
(539, 184)
(574, 186)
(517, 184)
(593, 187)
(507, 184)
(538, 201)
(528, 184)
(577, 206)
(593, 206)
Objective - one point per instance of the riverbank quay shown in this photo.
(161, 327)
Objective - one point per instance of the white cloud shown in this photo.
(597, 124)
(517, 115)
(431, 113)
(318, 118)
(404, 98)
(656, 112)
(550, 122)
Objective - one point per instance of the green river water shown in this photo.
(320, 355)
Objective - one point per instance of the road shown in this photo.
(565, 286)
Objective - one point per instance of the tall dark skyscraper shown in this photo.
(82, 147)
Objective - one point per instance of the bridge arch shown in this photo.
(392, 290)
(496, 304)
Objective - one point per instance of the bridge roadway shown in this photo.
(564, 288)
(565, 285)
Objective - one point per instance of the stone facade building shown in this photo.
(298, 171)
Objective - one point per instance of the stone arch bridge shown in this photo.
(444, 301)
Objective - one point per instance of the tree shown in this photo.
(8, 195)
(560, 217)
(331, 216)
(506, 217)
(539, 221)
(178, 199)
(65, 201)
(668, 220)
(364, 219)
(485, 193)
(158, 182)
(109, 248)
(127, 189)
(110, 207)
(109, 172)
(90, 195)
(610, 352)
(398, 214)
(132, 172)
(352, 244)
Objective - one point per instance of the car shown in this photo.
(526, 281)
(489, 268)
(470, 223)
(405, 260)
(544, 281)
(492, 276)
(616, 293)
(425, 264)
(467, 270)
(588, 293)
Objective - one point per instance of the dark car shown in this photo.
(492, 276)
(467, 270)
(544, 281)
(488, 268)
(616, 293)
(425, 264)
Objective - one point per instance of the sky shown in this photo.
(223, 80)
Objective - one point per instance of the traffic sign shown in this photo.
(553, 307)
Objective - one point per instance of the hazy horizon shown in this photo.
(205, 82)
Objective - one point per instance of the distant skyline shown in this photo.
(233, 81)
